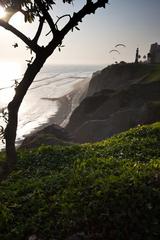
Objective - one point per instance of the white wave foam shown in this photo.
(53, 83)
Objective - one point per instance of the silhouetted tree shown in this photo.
(37, 9)
(137, 56)
(144, 58)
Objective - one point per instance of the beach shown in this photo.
(52, 97)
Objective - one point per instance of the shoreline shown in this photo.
(66, 105)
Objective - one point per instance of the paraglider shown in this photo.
(114, 50)
(120, 45)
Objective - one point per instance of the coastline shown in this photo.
(66, 105)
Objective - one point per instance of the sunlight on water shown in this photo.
(2, 12)
(9, 72)
(52, 96)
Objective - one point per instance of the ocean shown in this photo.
(54, 94)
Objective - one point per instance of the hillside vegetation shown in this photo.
(106, 190)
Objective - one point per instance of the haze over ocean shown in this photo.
(54, 86)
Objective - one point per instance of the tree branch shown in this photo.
(30, 43)
(59, 18)
(46, 16)
(89, 8)
(38, 33)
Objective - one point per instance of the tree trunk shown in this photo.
(10, 135)
(13, 108)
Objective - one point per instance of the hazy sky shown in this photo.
(135, 23)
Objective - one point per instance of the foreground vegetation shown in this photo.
(107, 190)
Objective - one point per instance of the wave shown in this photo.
(59, 80)
(52, 77)
(51, 98)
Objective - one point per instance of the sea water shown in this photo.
(53, 86)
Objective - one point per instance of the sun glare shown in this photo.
(17, 20)
(9, 72)
(2, 12)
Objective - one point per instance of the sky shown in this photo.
(133, 23)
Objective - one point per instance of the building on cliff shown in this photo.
(154, 53)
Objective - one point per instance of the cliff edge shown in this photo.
(119, 97)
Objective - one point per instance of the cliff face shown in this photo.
(119, 97)
(118, 77)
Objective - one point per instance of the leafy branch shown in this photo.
(4, 116)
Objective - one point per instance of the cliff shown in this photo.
(50, 135)
(119, 97)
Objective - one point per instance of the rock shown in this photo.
(50, 135)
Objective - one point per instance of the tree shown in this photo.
(137, 55)
(32, 10)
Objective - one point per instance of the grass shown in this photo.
(107, 190)
(2, 157)
(154, 76)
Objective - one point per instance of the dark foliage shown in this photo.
(108, 190)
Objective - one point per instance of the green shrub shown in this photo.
(107, 190)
